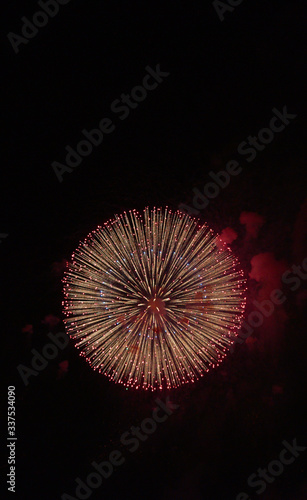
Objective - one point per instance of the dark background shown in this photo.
(225, 78)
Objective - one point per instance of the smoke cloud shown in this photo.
(253, 222)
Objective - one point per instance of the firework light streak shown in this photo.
(151, 300)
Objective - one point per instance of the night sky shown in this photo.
(222, 83)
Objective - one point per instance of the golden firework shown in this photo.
(151, 300)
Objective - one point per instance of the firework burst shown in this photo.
(152, 300)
